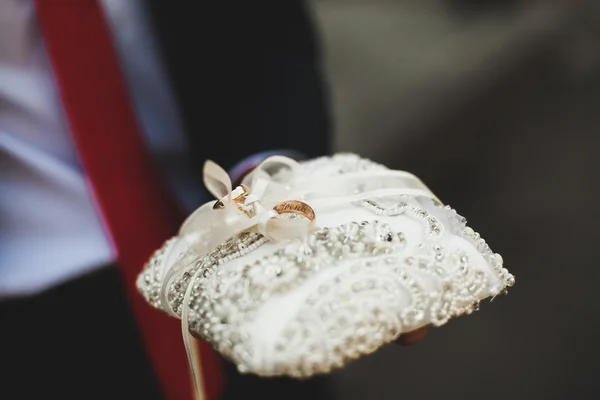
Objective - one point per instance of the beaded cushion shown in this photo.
(368, 271)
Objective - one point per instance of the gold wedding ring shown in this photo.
(238, 194)
(295, 207)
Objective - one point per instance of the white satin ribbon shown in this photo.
(269, 185)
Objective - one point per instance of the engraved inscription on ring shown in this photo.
(295, 207)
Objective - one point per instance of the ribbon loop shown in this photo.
(216, 180)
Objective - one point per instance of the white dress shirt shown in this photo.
(50, 229)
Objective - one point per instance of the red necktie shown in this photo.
(138, 211)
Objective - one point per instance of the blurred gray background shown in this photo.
(496, 105)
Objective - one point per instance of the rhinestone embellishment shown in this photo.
(340, 292)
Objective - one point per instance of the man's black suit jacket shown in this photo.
(246, 75)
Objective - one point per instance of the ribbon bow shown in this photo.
(248, 207)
